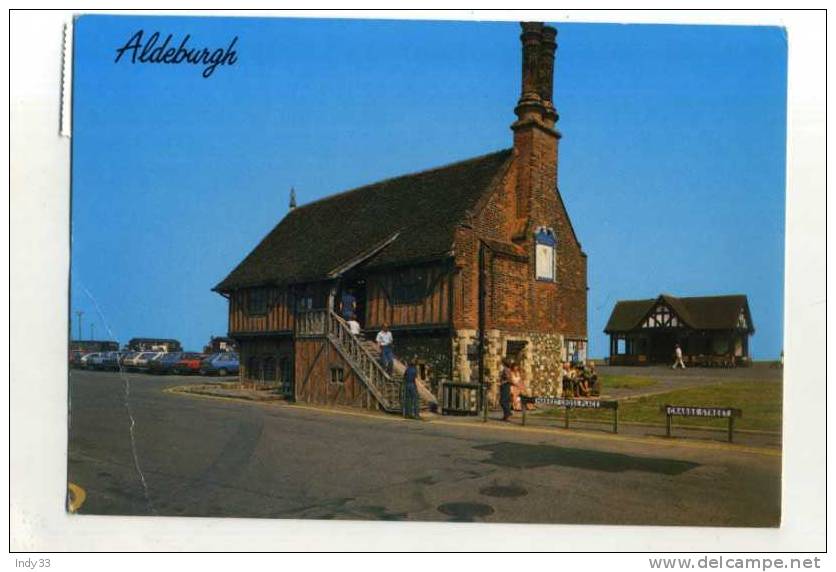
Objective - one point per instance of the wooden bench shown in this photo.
(729, 413)
(571, 403)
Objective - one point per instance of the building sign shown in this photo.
(546, 243)
(693, 411)
(563, 402)
(571, 403)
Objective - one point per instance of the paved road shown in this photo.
(195, 456)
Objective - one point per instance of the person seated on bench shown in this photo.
(591, 377)
(567, 377)
(582, 385)
(577, 381)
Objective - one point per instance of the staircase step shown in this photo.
(389, 388)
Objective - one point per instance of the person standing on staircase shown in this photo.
(410, 391)
(384, 343)
(348, 304)
(354, 326)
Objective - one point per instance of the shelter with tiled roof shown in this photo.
(466, 263)
(710, 330)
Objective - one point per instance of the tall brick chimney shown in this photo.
(535, 137)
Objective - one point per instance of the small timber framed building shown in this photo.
(467, 264)
(711, 330)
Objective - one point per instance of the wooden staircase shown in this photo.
(426, 397)
(365, 364)
(364, 358)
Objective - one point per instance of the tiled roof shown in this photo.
(396, 221)
(698, 312)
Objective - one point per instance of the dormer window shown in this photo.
(741, 320)
(544, 254)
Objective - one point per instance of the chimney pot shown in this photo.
(548, 45)
(530, 37)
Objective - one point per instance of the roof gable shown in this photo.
(420, 210)
(665, 314)
(697, 312)
(627, 314)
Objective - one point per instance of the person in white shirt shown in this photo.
(678, 362)
(353, 325)
(384, 343)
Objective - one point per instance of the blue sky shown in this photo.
(672, 162)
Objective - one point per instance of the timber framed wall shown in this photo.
(431, 310)
(314, 359)
(277, 318)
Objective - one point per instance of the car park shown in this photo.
(223, 363)
(157, 362)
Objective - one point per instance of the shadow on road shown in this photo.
(531, 456)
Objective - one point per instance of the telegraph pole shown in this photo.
(79, 313)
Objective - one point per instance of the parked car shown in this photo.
(100, 360)
(124, 357)
(111, 360)
(140, 360)
(129, 359)
(143, 361)
(75, 358)
(189, 363)
(223, 363)
(164, 363)
(88, 361)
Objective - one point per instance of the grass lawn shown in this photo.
(761, 402)
(625, 381)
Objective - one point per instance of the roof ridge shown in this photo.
(637, 300)
(681, 297)
(397, 177)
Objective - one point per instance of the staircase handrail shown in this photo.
(311, 322)
(365, 361)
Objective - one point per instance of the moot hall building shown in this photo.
(486, 265)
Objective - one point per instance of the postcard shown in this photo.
(402, 270)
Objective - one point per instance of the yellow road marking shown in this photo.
(76, 497)
(552, 431)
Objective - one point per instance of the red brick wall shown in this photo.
(515, 300)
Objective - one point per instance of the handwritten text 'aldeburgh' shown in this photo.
(151, 53)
